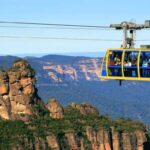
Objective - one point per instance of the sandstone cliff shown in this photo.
(86, 69)
(28, 124)
(17, 91)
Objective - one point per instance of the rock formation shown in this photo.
(17, 91)
(55, 109)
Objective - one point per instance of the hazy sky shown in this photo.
(88, 12)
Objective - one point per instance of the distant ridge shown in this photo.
(84, 54)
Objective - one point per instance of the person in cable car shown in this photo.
(145, 63)
(117, 60)
(112, 58)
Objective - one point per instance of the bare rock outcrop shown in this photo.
(55, 109)
(73, 142)
(17, 91)
(4, 98)
(52, 142)
(99, 140)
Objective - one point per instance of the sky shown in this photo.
(84, 12)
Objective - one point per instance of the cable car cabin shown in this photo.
(126, 64)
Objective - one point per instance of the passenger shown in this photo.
(134, 63)
(116, 57)
(119, 63)
(112, 63)
(117, 60)
(125, 63)
(145, 63)
(129, 63)
(111, 56)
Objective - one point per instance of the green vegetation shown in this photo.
(128, 125)
(19, 67)
(14, 133)
(41, 125)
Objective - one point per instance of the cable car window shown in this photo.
(114, 63)
(145, 64)
(130, 64)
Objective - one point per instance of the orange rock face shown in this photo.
(52, 142)
(72, 142)
(4, 108)
(3, 82)
(18, 85)
(100, 140)
(4, 99)
(55, 109)
(115, 140)
(3, 89)
(141, 138)
(83, 69)
(28, 85)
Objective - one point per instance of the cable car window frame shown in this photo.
(130, 68)
(114, 66)
(137, 78)
(143, 68)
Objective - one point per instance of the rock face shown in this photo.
(97, 140)
(52, 142)
(17, 91)
(102, 139)
(55, 109)
(83, 69)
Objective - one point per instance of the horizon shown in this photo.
(76, 54)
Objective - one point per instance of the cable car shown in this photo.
(127, 62)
